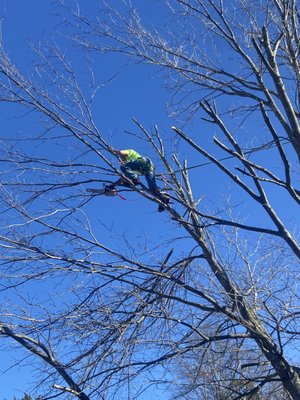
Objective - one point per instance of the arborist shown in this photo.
(132, 165)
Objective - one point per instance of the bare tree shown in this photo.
(262, 39)
(228, 300)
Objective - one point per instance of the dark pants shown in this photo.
(142, 166)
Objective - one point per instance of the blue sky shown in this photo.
(135, 91)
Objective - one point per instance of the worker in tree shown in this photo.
(132, 165)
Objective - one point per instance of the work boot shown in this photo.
(166, 201)
(133, 182)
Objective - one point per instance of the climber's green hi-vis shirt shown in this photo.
(140, 165)
(131, 155)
